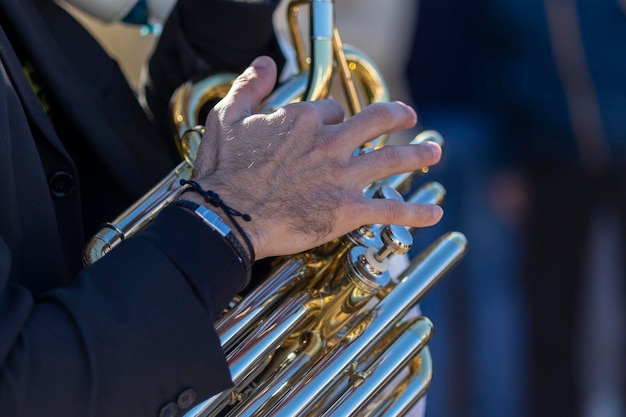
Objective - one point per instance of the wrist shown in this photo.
(228, 216)
(223, 227)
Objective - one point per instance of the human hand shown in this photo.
(293, 171)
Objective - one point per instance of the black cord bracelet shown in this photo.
(213, 198)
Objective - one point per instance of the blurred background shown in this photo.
(530, 97)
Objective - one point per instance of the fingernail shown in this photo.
(438, 210)
(260, 62)
(431, 143)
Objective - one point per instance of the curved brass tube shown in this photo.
(381, 372)
(406, 396)
(137, 216)
(424, 272)
(284, 281)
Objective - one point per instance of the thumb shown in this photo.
(249, 90)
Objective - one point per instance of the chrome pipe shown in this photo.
(137, 216)
(423, 273)
(368, 384)
(248, 359)
(237, 322)
(407, 398)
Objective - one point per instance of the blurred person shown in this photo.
(132, 334)
(479, 349)
(557, 85)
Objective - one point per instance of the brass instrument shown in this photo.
(329, 332)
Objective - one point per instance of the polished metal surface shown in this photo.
(423, 273)
(329, 331)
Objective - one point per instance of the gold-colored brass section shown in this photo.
(187, 103)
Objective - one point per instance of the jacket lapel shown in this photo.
(29, 100)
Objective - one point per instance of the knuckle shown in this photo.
(302, 117)
(305, 111)
(280, 117)
(393, 209)
(392, 156)
(337, 171)
(244, 77)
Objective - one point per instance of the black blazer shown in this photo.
(132, 332)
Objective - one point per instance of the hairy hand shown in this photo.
(294, 172)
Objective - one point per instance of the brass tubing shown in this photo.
(296, 37)
(289, 92)
(361, 67)
(367, 73)
(413, 391)
(268, 337)
(137, 216)
(423, 273)
(186, 104)
(321, 66)
(344, 71)
(272, 389)
(246, 361)
(237, 322)
(430, 192)
(370, 78)
(340, 298)
(356, 371)
(379, 374)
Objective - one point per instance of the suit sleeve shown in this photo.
(201, 37)
(133, 331)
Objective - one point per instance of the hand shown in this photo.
(294, 171)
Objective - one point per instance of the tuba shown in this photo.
(329, 331)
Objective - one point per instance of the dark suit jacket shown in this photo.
(128, 334)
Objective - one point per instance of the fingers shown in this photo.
(375, 120)
(248, 90)
(394, 159)
(325, 112)
(381, 211)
